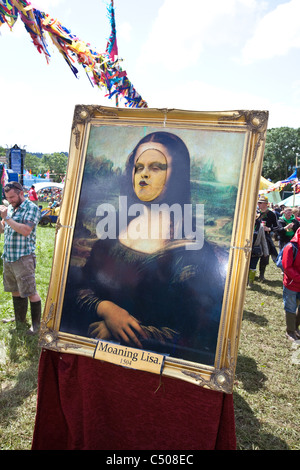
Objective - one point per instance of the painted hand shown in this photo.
(122, 326)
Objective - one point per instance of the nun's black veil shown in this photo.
(177, 190)
(178, 185)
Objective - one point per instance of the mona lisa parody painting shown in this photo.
(154, 242)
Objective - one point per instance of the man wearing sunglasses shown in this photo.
(19, 221)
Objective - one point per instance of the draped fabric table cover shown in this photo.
(85, 404)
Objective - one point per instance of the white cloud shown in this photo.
(18, 30)
(124, 31)
(276, 34)
(296, 91)
(183, 29)
(200, 96)
(41, 121)
(44, 5)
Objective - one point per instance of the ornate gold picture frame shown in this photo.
(154, 238)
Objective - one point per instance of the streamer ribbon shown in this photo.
(102, 69)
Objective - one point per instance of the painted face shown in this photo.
(150, 174)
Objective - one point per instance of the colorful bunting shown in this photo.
(293, 179)
(102, 69)
(296, 187)
(4, 177)
(112, 47)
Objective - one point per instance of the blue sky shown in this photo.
(197, 55)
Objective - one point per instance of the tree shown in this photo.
(56, 163)
(34, 163)
(2, 152)
(282, 151)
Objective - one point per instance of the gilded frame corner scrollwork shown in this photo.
(83, 114)
(257, 122)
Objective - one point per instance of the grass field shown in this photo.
(266, 390)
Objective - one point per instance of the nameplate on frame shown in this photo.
(131, 358)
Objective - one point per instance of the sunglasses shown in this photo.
(9, 186)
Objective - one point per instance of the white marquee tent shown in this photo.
(47, 185)
(291, 201)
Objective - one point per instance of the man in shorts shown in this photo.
(19, 221)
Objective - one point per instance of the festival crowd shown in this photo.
(278, 224)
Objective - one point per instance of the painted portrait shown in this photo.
(150, 247)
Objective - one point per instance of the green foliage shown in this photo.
(56, 163)
(98, 167)
(204, 170)
(2, 152)
(282, 151)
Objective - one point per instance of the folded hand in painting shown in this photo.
(117, 324)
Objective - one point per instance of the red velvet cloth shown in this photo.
(85, 404)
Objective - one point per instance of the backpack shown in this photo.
(278, 260)
(256, 249)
